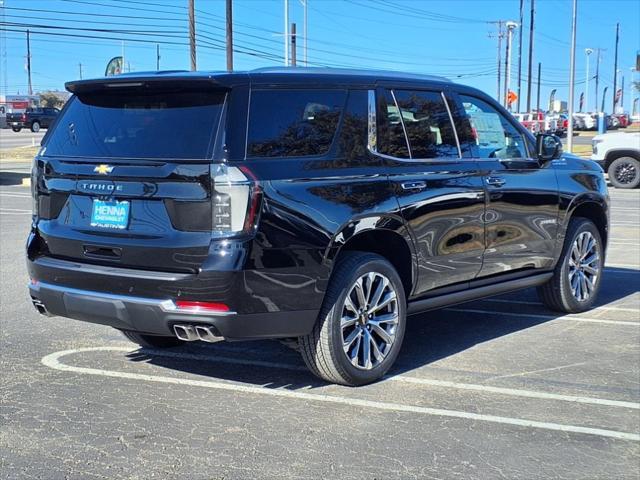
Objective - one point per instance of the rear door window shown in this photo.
(293, 123)
(427, 123)
(133, 124)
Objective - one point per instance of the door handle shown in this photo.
(419, 185)
(496, 181)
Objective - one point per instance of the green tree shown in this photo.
(52, 99)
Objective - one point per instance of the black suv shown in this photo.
(323, 206)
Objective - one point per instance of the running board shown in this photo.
(447, 300)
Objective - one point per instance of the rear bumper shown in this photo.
(157, 316)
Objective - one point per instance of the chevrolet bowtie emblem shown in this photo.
(103, 169)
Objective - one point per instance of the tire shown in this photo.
(16, 129)
(624, 172)
(558, 293)
(152, 341)
(35, 127)
(322, 350)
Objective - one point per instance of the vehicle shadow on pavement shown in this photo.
(429, 337)
(12, 178)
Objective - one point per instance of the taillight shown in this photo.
(236, 198)
(34, 188)
(24, 117)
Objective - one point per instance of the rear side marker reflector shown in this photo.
(204, 307)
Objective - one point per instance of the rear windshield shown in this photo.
(165, 125)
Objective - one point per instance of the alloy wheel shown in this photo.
(369, 320)
(584, 266)
(625, 172)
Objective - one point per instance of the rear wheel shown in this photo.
(16, 129)
(624, 172)
(576, 280)
(361, 325)
(152, 341)
(35, 127)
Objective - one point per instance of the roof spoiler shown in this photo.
(183, 82)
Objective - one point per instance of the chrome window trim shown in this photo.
(372, 133)
(406, 137)
(453, 125)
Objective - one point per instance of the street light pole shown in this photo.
(507, 81)
(588, 52)
(572, 75)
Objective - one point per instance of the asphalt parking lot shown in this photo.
(500, 388)
(23, 138)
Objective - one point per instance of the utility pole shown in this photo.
(615, 68)
(293, 45)
(29, 63)
(507, 63)
(622, 94)
(229, 36)
(539, 75)
(597, 76)
(520, 52)
(157, 56)
(499, 35)
(286, 33)
(588, 52)
(80, 68)
(572, 75)
(306, 32)
(192, 34)
(533, 14)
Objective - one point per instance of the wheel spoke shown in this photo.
(378, 355)
(588, 282)
(592, 259)
(590, 270)
(378, 293)
(355, 353)
(348, 303)
(371, 278)
(362, 301)
(346, 322)
(382, 333)
(366, 350)
(583, 287)
(390, 297)
(353, 336)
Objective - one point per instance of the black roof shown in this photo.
(262, 76)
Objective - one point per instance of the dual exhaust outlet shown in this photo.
(191, 333)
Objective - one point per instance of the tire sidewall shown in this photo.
(573, 303)
(614, 181)
(355, 375)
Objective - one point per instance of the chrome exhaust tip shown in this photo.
(39, 306)
(185, 333)
(207, 334)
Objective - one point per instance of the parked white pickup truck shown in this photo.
(619, 155)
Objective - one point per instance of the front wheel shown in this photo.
(361, 325)
(624, 172)
(152, 341)
(35, 127)
(576, 279)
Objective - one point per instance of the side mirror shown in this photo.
(548, 147)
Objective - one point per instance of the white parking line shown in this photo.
(53, 361)
(13, 210)
(539, 304)
(404, 378)
(544, 317)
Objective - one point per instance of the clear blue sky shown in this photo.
(444, 37)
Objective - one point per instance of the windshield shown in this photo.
(134, 124)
